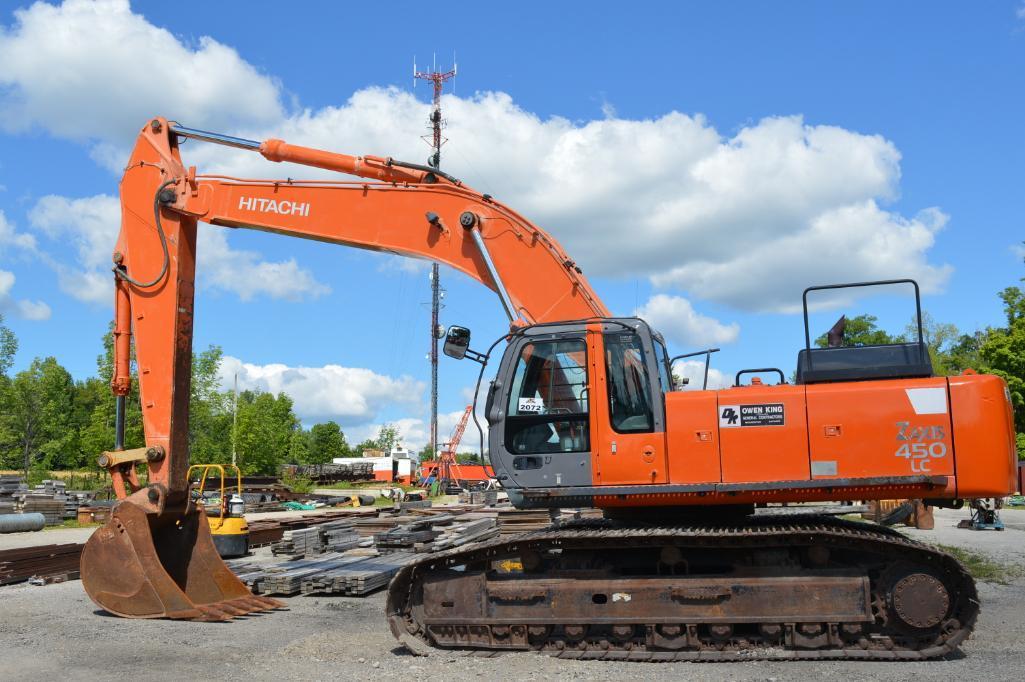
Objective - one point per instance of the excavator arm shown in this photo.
(409, 211)
(400, 208)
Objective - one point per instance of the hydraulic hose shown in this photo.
(123, 274)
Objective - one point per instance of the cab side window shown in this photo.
(548, 409)
(629, 385)
(662, 360)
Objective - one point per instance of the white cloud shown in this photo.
(10, 237)
(695, 371)
(746, 219)
(676, 318)
(348, 395)
(413, 432)
(23, 308)
(90, 70)
(856, 242)
(243, 273)
(91, 224)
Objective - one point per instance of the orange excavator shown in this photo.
(583, 411)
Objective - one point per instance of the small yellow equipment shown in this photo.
(226, 513)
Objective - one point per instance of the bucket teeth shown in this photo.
(233, 607)
(268, 603)
(211, 613)
(144, 565)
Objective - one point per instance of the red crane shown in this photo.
(447, 457)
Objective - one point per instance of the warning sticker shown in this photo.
(768, 414)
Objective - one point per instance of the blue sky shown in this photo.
(702, 161)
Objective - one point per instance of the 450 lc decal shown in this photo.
(920, 445)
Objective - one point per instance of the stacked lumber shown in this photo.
(332, 536)
(267, 531)
(338, 536)
(299, 542)
(51, 509)
(12, 489)
(45, 564)
(464, 532)
(487, 498)
(285, 578)
(357, 577)
(354, 469)
(405, 538)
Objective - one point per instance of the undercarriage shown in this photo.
(764, 587)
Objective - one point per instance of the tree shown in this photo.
(97, 432)
(861, 330)
(1003, 351)
(38, 415)
(299, 447)
(8, 348)
(264, 432)
(940, 338)
(210, 419)
(387, 438)
(327, 442)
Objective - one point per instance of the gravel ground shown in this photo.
(56, 632)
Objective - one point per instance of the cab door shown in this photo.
(628, 414)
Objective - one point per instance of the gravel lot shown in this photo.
(55, 632)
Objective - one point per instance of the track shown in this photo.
(765, 588)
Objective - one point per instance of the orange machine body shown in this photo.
(928, 437)
(787, 443)
(848, 440)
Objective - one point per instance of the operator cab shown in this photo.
(561, 386)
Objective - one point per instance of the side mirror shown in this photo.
(457, 342)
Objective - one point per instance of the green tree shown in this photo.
(38, 413)
(1003, 352)
(8, 348)
(299, 447)
(861, 330)
(327, 442)
(387, 437)
(264, 432)
(940, 338)
(97, 433)
(210, 418)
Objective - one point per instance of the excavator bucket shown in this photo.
(147, 562)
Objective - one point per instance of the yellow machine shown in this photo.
(225, 514)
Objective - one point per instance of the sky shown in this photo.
(702, 162)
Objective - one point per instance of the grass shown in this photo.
(73, 523)
(366, 485)
(984, 568)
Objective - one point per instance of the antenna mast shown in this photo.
(435, 140)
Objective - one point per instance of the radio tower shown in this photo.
(435, 140)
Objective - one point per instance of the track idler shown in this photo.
(154, 560)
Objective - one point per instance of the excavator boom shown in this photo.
(405, 209)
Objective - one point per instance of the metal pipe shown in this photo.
(20, 523)
(503, 293)
(119, 422)
(216, 138)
